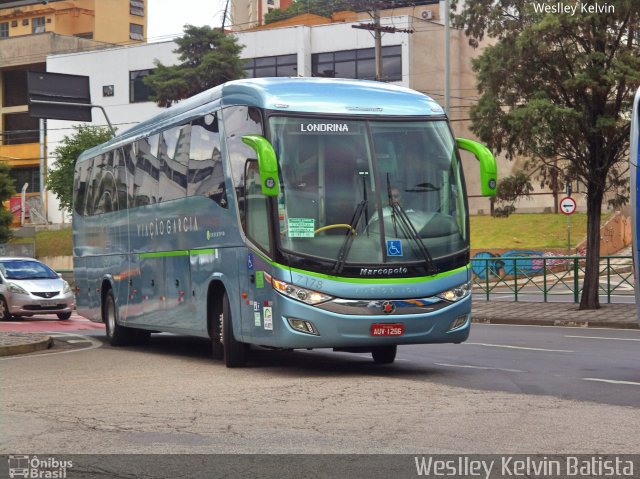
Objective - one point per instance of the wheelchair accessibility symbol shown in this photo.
(394, 248)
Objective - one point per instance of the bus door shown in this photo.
(257, 307)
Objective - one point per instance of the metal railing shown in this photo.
(549, 276)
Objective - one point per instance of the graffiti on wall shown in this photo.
(527, 263)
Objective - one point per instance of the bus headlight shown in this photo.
(301, 294)
(456, 294)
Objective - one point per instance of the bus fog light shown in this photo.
(303, 326)
(459, 322)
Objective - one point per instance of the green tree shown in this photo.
(60, 176)
(7, 190)
(511, 189)
(208, 58)
(558, 87)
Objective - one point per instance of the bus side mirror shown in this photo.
(267, 163)
(488, 167)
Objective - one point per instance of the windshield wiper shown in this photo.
(409, 230)
(348, 241)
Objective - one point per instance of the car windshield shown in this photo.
(21, 269)
(395, 187)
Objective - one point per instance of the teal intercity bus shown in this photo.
(282, 213)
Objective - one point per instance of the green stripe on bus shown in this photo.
(163, 254)
(202, 251)
(390, 280)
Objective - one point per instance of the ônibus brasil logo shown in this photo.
(33, 467)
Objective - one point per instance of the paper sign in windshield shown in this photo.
(301, 227)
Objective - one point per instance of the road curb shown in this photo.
(25, 345)
(557, 322)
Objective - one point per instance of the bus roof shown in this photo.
(294, 94)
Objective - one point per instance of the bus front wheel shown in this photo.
(384, 354)
(235, 352)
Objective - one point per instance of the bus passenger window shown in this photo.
(82, 176)
(102, 188)
(173, 153)
(206, 174)
(147, 172)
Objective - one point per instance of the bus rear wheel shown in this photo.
(235, 352)
(116, 334)
(384, 354)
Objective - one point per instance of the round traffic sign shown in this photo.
(568, 205)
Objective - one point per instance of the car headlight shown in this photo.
(296, 292)
(456, 294)
(65, 288)
(15, 289)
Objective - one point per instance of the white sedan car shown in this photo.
(29, 287)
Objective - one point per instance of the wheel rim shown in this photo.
(3, 309)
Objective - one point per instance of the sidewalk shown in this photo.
(621, 316)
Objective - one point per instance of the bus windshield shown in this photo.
(369, 192)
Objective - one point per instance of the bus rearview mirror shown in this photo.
(488, 166)
(267, 163)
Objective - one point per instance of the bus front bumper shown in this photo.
(399, 322)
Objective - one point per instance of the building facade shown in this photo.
(246, 14)
(29, 31)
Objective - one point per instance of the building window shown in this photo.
(38, 25)
(136, 7)
(108, 90)
(4, 30)
(22, 175)
(278, 66)
(136, 32)
(20, 128)
(358, 64)
(138, 90)
(14, 83)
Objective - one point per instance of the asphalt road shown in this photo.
(507, 390)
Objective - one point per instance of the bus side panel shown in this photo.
(178, 298)
(258, 308)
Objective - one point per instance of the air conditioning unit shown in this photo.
(426, 14)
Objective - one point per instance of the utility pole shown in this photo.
(377, 29)
(377, 41)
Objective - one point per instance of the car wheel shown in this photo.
(235, 352)
(5, 315)
(384, 354)
(116, 334)
(63, 316)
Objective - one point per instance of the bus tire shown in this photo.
(235, 352)
(384, 354)
(116, 334)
